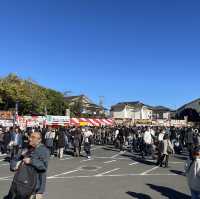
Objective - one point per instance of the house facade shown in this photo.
(85, 105)
(139, 111)
(131, 110)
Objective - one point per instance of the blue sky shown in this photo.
(123, 50)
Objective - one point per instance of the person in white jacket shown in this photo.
(192, 169)
(148, 141)
(87, 136)
(49, 138)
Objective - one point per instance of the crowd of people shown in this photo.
(147, 142)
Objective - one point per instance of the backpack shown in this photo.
(169, 149)
(14, 162)
(24, 181)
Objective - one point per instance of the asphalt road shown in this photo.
(109, 175)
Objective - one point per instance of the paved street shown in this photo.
(109, 175)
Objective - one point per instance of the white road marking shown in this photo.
(101, 174)
(69, 158)
(115, 175)
(96, 148)
(87, 160)
(136, 174)
(60, 174)
(3, 178)
(120, 153)
(97, 157)
(101, 157)
(1, 160)
(110, 161)
(160, 174)
(134, 163)
(176, 162)
(81, 168)
(123, 158)
(149, 170)
(1, 165)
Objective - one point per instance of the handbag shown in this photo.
(169, 149)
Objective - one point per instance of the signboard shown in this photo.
(143, 121)
(30, 121)
(57, 120)
(83, 124)
(6, 123)
(177, 123)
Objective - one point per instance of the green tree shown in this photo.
(31, 97)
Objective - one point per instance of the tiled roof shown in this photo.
(121, 105)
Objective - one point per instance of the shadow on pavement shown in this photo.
(139, 159)
(181, 157)
(181, 173)
(110, 149)
(168, 192)
(138, 195)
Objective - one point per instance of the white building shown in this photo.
(131, 110)
(161, 112)
(139, 111)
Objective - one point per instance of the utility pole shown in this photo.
(45, 110)
(16, 112)
(101, 101)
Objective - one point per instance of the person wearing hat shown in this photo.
(192, 169)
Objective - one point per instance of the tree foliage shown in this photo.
(31, 97)
(192, 115)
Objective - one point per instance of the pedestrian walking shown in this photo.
(192, 169)
(166, 150)
(87, 138)
(30, 177)
(60, 137)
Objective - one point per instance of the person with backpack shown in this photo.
(192, 169)
(30, 178)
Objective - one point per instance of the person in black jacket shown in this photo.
(120, 137)
(190, 141)
(77, 142)
(37, 157)
(7, 139)
(60, 142)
